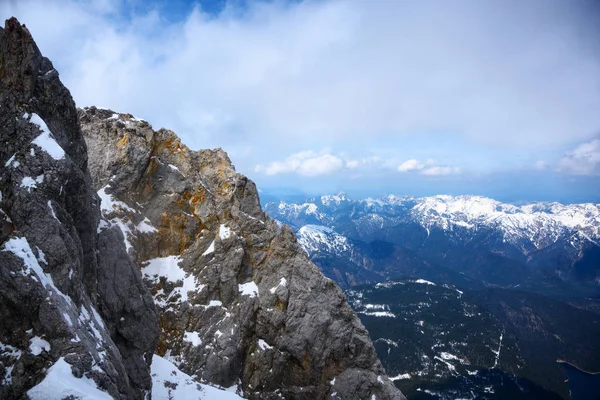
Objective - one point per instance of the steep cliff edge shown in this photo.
(75, 314)
(239, 301)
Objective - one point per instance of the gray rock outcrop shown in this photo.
(70, 297)
(239, 301)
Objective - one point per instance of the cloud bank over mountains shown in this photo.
(583, 160)
(387, 86)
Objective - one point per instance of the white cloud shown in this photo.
(368, 162)
(282, 76)
(428, 167)
(410, 165)
(307, 163)
(311, 163)
(438, 171)
(352, 164)
(583, 160)
(320, 165)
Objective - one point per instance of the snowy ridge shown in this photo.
(291, 211)
(334, 199)
(313, 238)
(60, 383)
(539, 225)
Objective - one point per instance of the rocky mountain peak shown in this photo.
(30, 81)
(67, 322)
(239, 302)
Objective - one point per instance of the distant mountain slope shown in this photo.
(439, 342)
(542, 245)
(547, 330)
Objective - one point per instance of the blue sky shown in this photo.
(481, 97)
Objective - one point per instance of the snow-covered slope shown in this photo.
(315, 238)
(540, 224)
(168, 382)
(60, 383)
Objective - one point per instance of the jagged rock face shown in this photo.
(239, 302)
(70, 298)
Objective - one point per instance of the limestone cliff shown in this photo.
(239, 301)
(72, 303)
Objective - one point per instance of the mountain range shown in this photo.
(470, 240)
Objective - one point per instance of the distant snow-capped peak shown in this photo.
(540, 224)
(315, 238)
(336, 199)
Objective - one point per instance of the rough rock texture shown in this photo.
(239, 302)
(67, 292)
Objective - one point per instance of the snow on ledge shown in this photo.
(248, 289)
(19, 246)
(224, 232)
(108, 203)
(193, 338)
(168, 267)
(60, 383)
(30, 183)
(37, 345)
(168, 382)
(45, 140)
(210, 250)
(282, 283)
(264, 345)
(146, 226)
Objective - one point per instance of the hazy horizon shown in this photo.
(288, 194)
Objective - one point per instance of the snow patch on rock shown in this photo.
(168, 382)
(45, 140)
(248, 289)
(60, 383)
